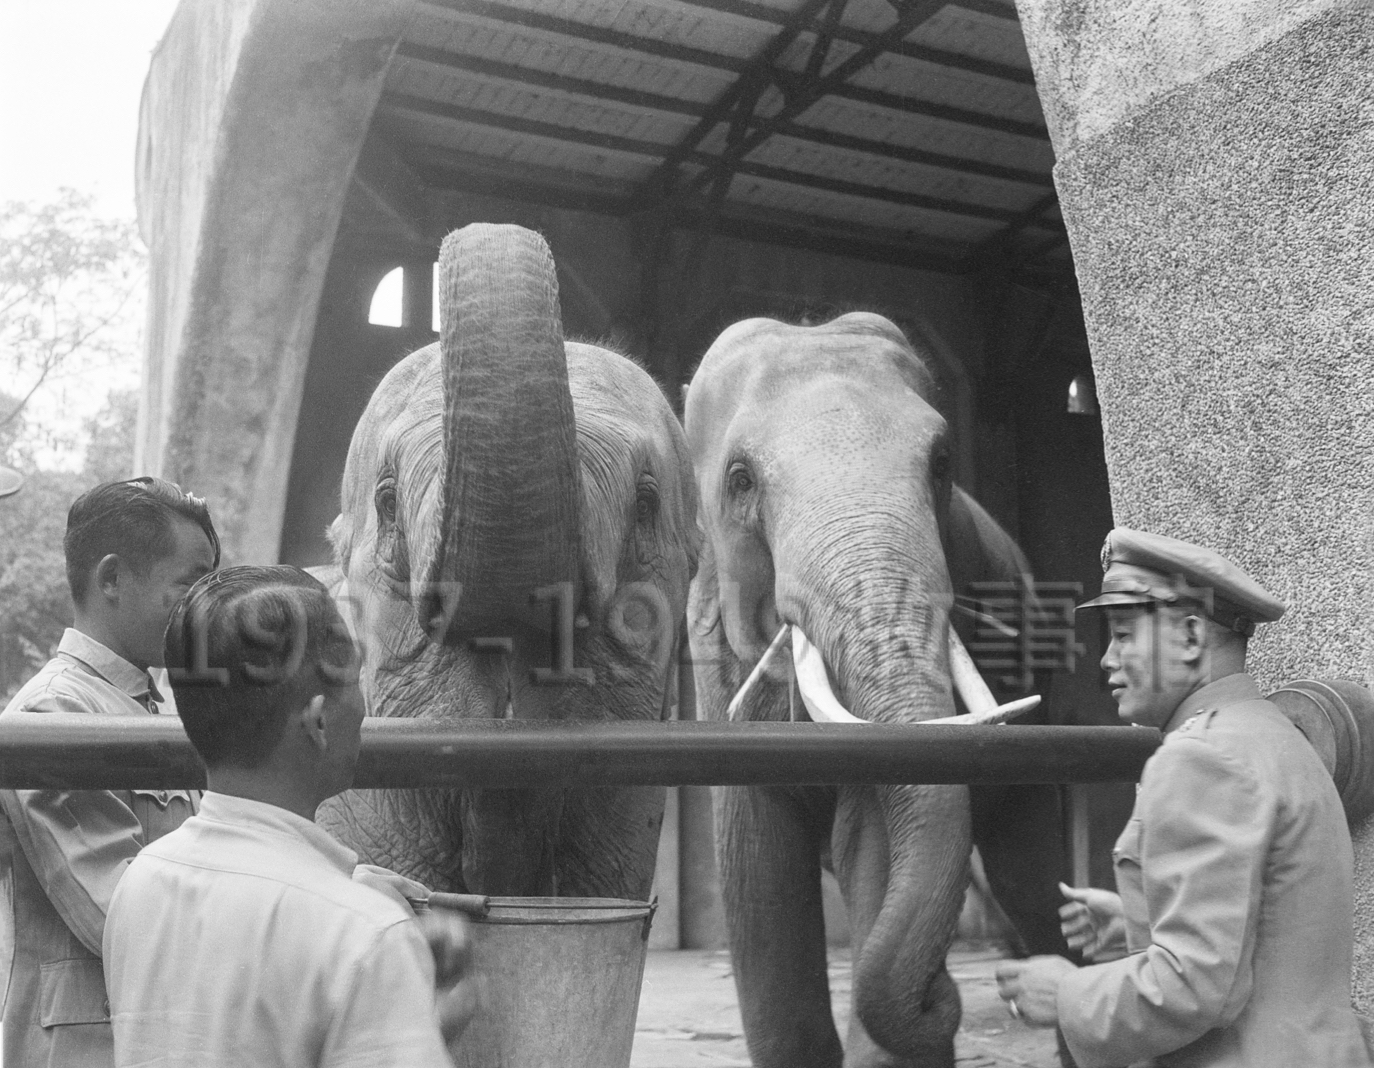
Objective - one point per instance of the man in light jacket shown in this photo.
(1233, 926)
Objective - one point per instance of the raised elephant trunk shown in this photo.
(511, 476)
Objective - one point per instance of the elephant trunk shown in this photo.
(883, 635)
(511, 477)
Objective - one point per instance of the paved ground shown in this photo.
(688, 1017)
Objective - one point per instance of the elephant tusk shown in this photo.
(737, 702)
(814, 685)
(968, 681)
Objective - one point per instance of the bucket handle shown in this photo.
(649, 919)
(473, 904)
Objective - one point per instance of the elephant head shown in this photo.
(516, 539)
(824, 475)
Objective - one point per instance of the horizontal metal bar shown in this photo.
(67, 751)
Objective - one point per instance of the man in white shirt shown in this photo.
(242, 938)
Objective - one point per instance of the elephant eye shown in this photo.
(385, 501)
(739, 480)
(646, 501)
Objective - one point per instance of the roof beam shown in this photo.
(746, 88)
(457, 175)
(931, 110)
(889, 195)
(528, 127)
(537, 20)
(798, 93)
(564, 83)
(462, 62)
(652, 149)
(956, 60)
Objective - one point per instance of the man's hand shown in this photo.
(1031, 988)
(1093, 923)
(398, 887)
(457, 990)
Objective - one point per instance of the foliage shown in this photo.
(70, 284)
(71, 292)
(35, 605)
(110, 450)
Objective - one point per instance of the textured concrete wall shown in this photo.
(1216, 171)
(253, 115)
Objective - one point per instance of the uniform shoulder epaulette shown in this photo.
(1198, 721)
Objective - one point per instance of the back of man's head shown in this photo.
(246, 648)
(131, 519)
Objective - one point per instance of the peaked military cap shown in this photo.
(1142, 568)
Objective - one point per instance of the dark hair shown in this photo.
(131, 519)
(247, 646)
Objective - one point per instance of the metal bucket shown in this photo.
(561, 982)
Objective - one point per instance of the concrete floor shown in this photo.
(689, 1018)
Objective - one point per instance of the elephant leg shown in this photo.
(768, 847)
(861, 851)
(1019, 832)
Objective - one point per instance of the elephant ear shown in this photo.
(716, 670)
(703, 600)
(977, 550)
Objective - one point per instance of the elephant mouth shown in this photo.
(818, 697)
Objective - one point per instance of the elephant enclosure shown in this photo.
(689, 1018)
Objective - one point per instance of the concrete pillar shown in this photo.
(1216, 172)
(253, 115)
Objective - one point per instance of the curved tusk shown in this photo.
(814, 685)
(737, 702)
(968, 681)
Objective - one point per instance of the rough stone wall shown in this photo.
(253, 115)
(1220, 205)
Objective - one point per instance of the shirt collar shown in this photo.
(106, 663)
(260, 816)
(1224, 691)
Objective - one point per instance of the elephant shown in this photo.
(516, 538)
(826, 503)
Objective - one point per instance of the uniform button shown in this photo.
(162, 797)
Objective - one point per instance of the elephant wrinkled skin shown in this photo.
(823, 476)
(504, 492)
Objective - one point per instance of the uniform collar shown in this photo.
(1224, 691)
(260, 816)
(106, 663)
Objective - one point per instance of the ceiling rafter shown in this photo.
(462, 175)
(999, 244)
(641, 98)
(940, 57)
(798, 96)
(582, 31)
(653, 149)
(748, 86)
(589, 34)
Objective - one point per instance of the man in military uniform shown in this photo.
(1234, 871)
(132, 549)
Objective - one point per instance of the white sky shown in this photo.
(71, 73)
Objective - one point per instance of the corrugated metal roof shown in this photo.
(912, 121)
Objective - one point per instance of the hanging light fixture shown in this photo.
(1082, 396)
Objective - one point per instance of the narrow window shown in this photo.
(434, 299)
(386, 299)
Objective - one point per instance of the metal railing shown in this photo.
(49, 751)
